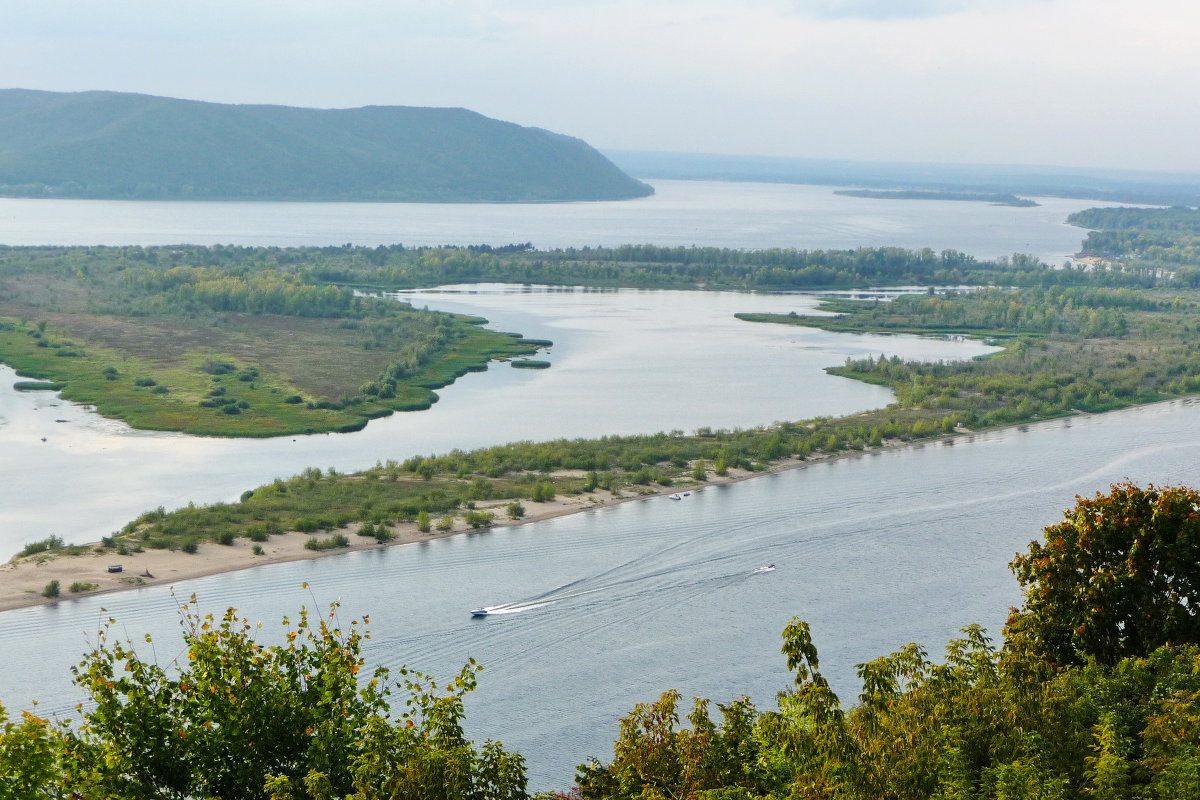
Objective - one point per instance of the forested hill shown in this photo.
(119, 145)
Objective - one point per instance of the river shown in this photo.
(623, 362)
(618, 604)
(711, 213)
(614, 605)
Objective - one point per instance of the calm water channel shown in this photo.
(614, 605)
(624, 362)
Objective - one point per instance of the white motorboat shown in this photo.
(767, 568)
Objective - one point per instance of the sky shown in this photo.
(1096, 83)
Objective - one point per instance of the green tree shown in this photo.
(29, 759)
(423, 521)
(698, 471)
(237, 716)
(1119, 576)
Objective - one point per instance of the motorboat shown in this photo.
(675, 497)
(479, 612)
(767, 568)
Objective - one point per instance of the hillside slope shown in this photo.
(118, 145)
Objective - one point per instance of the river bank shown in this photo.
(24, 580)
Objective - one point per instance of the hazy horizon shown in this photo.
(1073, 83)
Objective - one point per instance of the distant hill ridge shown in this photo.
(121, 145)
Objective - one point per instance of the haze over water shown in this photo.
(751, 216)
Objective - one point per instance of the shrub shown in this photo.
(145, 382)
(81, 586)
(52, 589)
(331, 543)
(216, 367)
(515, 510)
(257, 550)
(42, 546)
(225, 537)
(190, 545)
(479, 519)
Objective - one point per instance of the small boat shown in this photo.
(676, 497)
(767, 568)
(687, 494)
(479, 612)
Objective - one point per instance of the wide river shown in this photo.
(718, 214)
(615, 605)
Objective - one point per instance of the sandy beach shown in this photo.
(23, 580)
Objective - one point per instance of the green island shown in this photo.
(995, 198)
(1095, 692)
(205, 344)
(266, 341)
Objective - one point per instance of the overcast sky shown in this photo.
(1103, 83)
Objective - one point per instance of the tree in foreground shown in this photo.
(238, 719)
(1095, 694)
(1118, 577)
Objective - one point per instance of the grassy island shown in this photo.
(995, 198)
(198, 343)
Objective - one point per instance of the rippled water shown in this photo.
(619, 604)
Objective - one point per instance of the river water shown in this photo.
(712, 213)
(615, 605)
(623, 362)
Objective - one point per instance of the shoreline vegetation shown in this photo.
(268, 341)
(1101, 339)
(994, 198)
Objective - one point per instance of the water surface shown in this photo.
(750, 216)
(623, 362)
(618, 604)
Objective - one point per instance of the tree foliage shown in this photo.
(1119, 723)
(238, 718)
(1118, 577)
